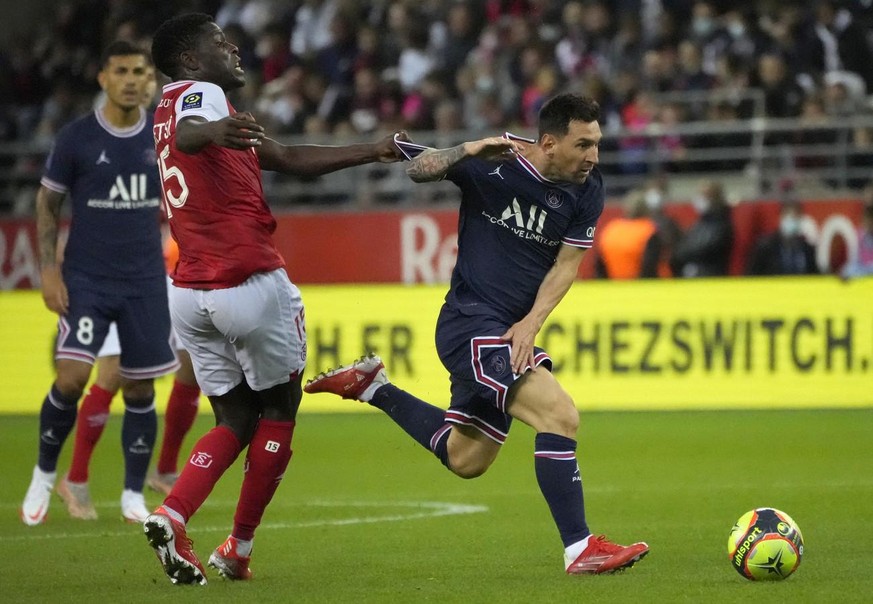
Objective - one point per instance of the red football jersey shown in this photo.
(214, 198)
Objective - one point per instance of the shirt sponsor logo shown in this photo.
(193, 100)
(528, 226)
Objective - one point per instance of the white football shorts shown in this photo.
(111, 345)
(253, 332)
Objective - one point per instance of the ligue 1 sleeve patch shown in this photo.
(193, 100)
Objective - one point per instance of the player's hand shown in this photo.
(238, 131)
(521, 338)
(54, 291)
(385, 149)
(494, 148)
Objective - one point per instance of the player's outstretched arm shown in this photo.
(315, 160)
(48, 219)
(237, 131)
(552, 290)
(432, 164)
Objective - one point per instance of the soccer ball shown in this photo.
(765, 545)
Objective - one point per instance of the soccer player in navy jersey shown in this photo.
(528, 214)
(233, 305)
(112, 271)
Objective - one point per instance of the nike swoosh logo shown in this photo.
(36, 515)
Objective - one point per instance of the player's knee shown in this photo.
(468, 462)
(71, 386)
(139, 390)
(467, 468)
(561, 416)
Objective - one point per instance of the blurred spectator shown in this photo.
(783, 96)
(658, 69)
(844, 93)
(272, 49)
(690, 74)
(862, 263)
(703, 32)
(415, 62)
(834, 42)
(738, 36)
(637, 115)
(461, 36)
(671, 149)
(785, 252)
(813, 141)
(669, 232)
(366, 103)
(734, 145)
(336, 61)
(629, 246)
(705, 249)
(312, 27)
(627, 46)
(420, 104)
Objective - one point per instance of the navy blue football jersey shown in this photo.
(512, 223)
(111, 176)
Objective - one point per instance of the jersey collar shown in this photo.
(121, 132)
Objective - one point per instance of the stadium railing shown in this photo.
(752, 156)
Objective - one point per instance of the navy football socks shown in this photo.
(419, 419)
(139, 429)
(561, 484)
(56, 419)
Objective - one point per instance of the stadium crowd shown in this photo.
(342, 66)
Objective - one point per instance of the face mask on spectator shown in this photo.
(736, 29)
(654, 200)
(700, 203)
(789, 226)
(702, 26)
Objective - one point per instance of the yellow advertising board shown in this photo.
(691, 344)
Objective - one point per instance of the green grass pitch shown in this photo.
(365, 515)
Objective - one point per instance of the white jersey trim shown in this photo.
(211, 105)
(121, 132)
(53, 185)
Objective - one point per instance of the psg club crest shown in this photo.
(498, 365)
(554, 198)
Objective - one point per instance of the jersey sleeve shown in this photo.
(462, 172)
(202, 99)
(580, 232)
(60, 164)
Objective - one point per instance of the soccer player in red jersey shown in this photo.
(233, 306)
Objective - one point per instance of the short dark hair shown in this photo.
(175, 36)
(121, 48)
(556, 115)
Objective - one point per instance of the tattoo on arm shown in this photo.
(432, 164)
(48, 217)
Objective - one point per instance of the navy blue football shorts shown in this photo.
(143, 330)
(481, 375)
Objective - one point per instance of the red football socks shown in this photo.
(268, 457)
(90, 424)
(212, 455)
(180, 416)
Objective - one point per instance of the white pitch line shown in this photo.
(434, 509)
